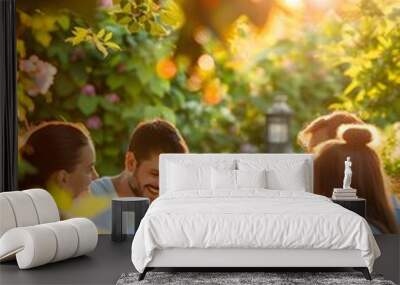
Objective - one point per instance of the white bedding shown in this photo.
(252, 218)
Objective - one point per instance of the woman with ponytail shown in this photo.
(354, 141)
(62, 156)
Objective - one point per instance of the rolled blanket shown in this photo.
(26, 208)
(40, 244)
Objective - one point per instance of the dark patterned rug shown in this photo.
(229, 278)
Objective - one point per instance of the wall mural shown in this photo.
(104, 88)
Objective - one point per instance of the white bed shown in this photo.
(250, 226)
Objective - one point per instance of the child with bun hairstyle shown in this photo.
(368, 179)
(325, 128)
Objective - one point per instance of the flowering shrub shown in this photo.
(111, 92)
(391, 151)
(368, 51)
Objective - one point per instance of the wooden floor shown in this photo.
(110, 260)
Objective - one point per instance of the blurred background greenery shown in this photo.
(212, 67)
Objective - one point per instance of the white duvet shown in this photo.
(250, 219)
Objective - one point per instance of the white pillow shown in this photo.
(281, 174)
(223, 179)
(182, 177)
(291, 178)
(251, 178)
(226, 179)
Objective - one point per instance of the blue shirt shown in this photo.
(103, 187)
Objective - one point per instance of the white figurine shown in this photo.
(347, 174)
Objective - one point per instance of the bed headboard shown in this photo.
(197, 158)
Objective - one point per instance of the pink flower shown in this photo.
(40, 75)
(88, 90)
(106, 3)
(112, 97)
(94, 122)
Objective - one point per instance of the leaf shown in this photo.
(172, 14)
(115, 80)
(80, 32)
(159, 87)
(151, 112)
(101, 33)
(124, 21)
(25, 18)
(145, 72)
(63, 86)
(133, 88)
(127, 8)
(108, 37)
(21, 48)
(63, 21)
(353, 85)
(78, 73)
(105, 104)
(157, 29)
(44, 38)
(112, 45)
(27, 102)
(87, 105)
(168, 114)
(100, 47)
(135, 27)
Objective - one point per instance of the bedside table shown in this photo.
(127, 212)
(357, 205)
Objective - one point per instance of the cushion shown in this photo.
(223, 179)
(183, 177)
(251, 178)
(280, 174)
(231, 180)
(293, 179)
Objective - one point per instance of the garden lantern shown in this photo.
(278, 119)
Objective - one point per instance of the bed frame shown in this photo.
(249, 258)
(246, 259)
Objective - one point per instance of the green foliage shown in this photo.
(147, 15)
(369, 51)
(112, 94)
(391, 151)
(125, 67)
(292, 67)
(101, 40)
